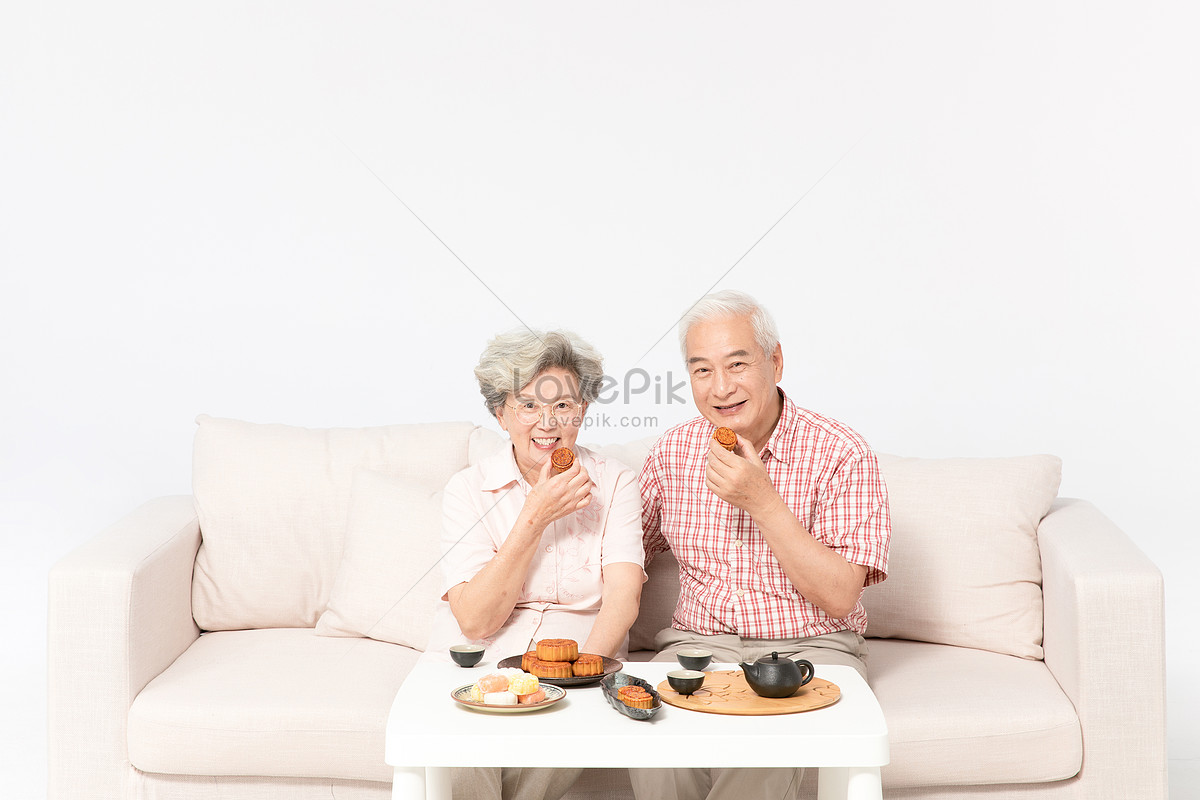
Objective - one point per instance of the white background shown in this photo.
(997, 252)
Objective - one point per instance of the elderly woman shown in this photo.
(531, 554)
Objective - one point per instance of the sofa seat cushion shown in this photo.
(276, 702)
(960, 717)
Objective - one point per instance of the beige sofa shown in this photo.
(1016, 649)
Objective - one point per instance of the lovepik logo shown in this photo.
(634, 383)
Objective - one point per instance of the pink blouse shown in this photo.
(562, 592)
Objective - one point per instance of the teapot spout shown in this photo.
(754, 675)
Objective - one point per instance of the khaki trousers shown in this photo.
(846, 648)
(510, 783)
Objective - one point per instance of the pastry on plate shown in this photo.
(553, 669)
(635, 697)
(557, 650)
(588, 665)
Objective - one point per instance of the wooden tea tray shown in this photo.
(726, 692)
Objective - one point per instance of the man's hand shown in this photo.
(822, 575)
(740, 478)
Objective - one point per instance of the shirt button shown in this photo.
(738, 543)
(549, 548)
(739, 592)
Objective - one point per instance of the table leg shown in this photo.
(421, 783)
(437, 783)
(849, 783)
(408, 783)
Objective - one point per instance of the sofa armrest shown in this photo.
(1105, 644)
(120, 612)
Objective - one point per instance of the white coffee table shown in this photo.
(427, 733)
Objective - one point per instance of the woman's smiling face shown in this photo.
(554, 393)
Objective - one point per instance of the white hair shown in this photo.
(511, 360)
(730, 303)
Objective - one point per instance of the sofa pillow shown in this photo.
(660, 592)
(484, 443)
(964, 567)
(660, 595)
(388, 584)
(631, 454)
(273, 502)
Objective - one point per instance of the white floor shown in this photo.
(1184, 778)
(23, 730)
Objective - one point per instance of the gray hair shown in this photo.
(730, 303)
(513, 359)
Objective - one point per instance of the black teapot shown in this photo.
(772, 676)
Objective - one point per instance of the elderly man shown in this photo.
(775, 540)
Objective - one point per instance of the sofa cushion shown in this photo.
(631, 454)
(159, 786)
(273, 503)
(388, 582)
(660, 594)
(485, 442)
(964, 567)
(282, 702)
(959, 717)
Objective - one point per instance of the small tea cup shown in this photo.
(685, 681)
(466, 655)
(694, 658)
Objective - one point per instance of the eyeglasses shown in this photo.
(563, 412)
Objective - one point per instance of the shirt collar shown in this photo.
(500, 469)
(785, 427)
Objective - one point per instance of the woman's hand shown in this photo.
(558, 495)
(482, 604)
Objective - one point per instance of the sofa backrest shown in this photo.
(964, 567)
(275, 502)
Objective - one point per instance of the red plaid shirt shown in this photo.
(729, 579)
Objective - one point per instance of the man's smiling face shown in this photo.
(733, 381)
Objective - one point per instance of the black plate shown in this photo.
(611, 665)
(614, 682)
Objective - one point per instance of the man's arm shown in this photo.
(819, 573)
(653, 541)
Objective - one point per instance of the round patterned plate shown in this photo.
(462, 696)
